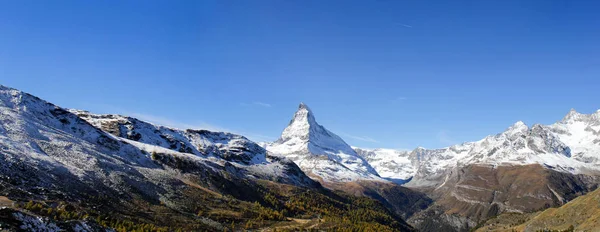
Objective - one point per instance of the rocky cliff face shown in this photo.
(475, 193)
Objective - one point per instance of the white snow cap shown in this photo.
(300, 125)
(319, 151)
(571, 115)
(574, 116)
(519, 126)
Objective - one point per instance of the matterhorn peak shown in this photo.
(303, 114)
(301, 124)
(303, 106)
(319, 151)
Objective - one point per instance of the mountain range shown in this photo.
(521, 169)
(118, 172)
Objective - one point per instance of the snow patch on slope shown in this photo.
(390, 164)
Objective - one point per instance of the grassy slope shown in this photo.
(202, 207)
(583, 213)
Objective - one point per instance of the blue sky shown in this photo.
(394, 74)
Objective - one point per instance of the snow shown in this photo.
(198, 142)
(571, 145)
(582, 134)
(53, 142)
(320, 152)
(389, 163)
(48, 137)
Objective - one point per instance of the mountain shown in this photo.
(319, 152)
(215, 146)
(522, 169)
(70, 169)
(203, 143)
(474, 193)
(580, 214)
(550, 146)
(571, 145)
(327, 158)
(76, 171)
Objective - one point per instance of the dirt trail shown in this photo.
(5, 202)
(190, 183)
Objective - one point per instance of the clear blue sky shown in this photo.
(395, 74)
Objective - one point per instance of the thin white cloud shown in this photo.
(163, 121)
(158, 120)
(261, 104)
(257, 103)
(399, 99)
(360, 138)
(406, 25)
(259, 137)
(445, 139)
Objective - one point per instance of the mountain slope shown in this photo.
(390, 164)
(580, 214)
(58, 167)
(203, 143)
(474, 193)
(213, 146)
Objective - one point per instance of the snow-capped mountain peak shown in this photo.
(518, 127)
(319, 151)
(572, 115)
(570, 145)
(301, 125)
(304, 131)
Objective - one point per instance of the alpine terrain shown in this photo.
(71, 170)
(522, 169)
(580, 214)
